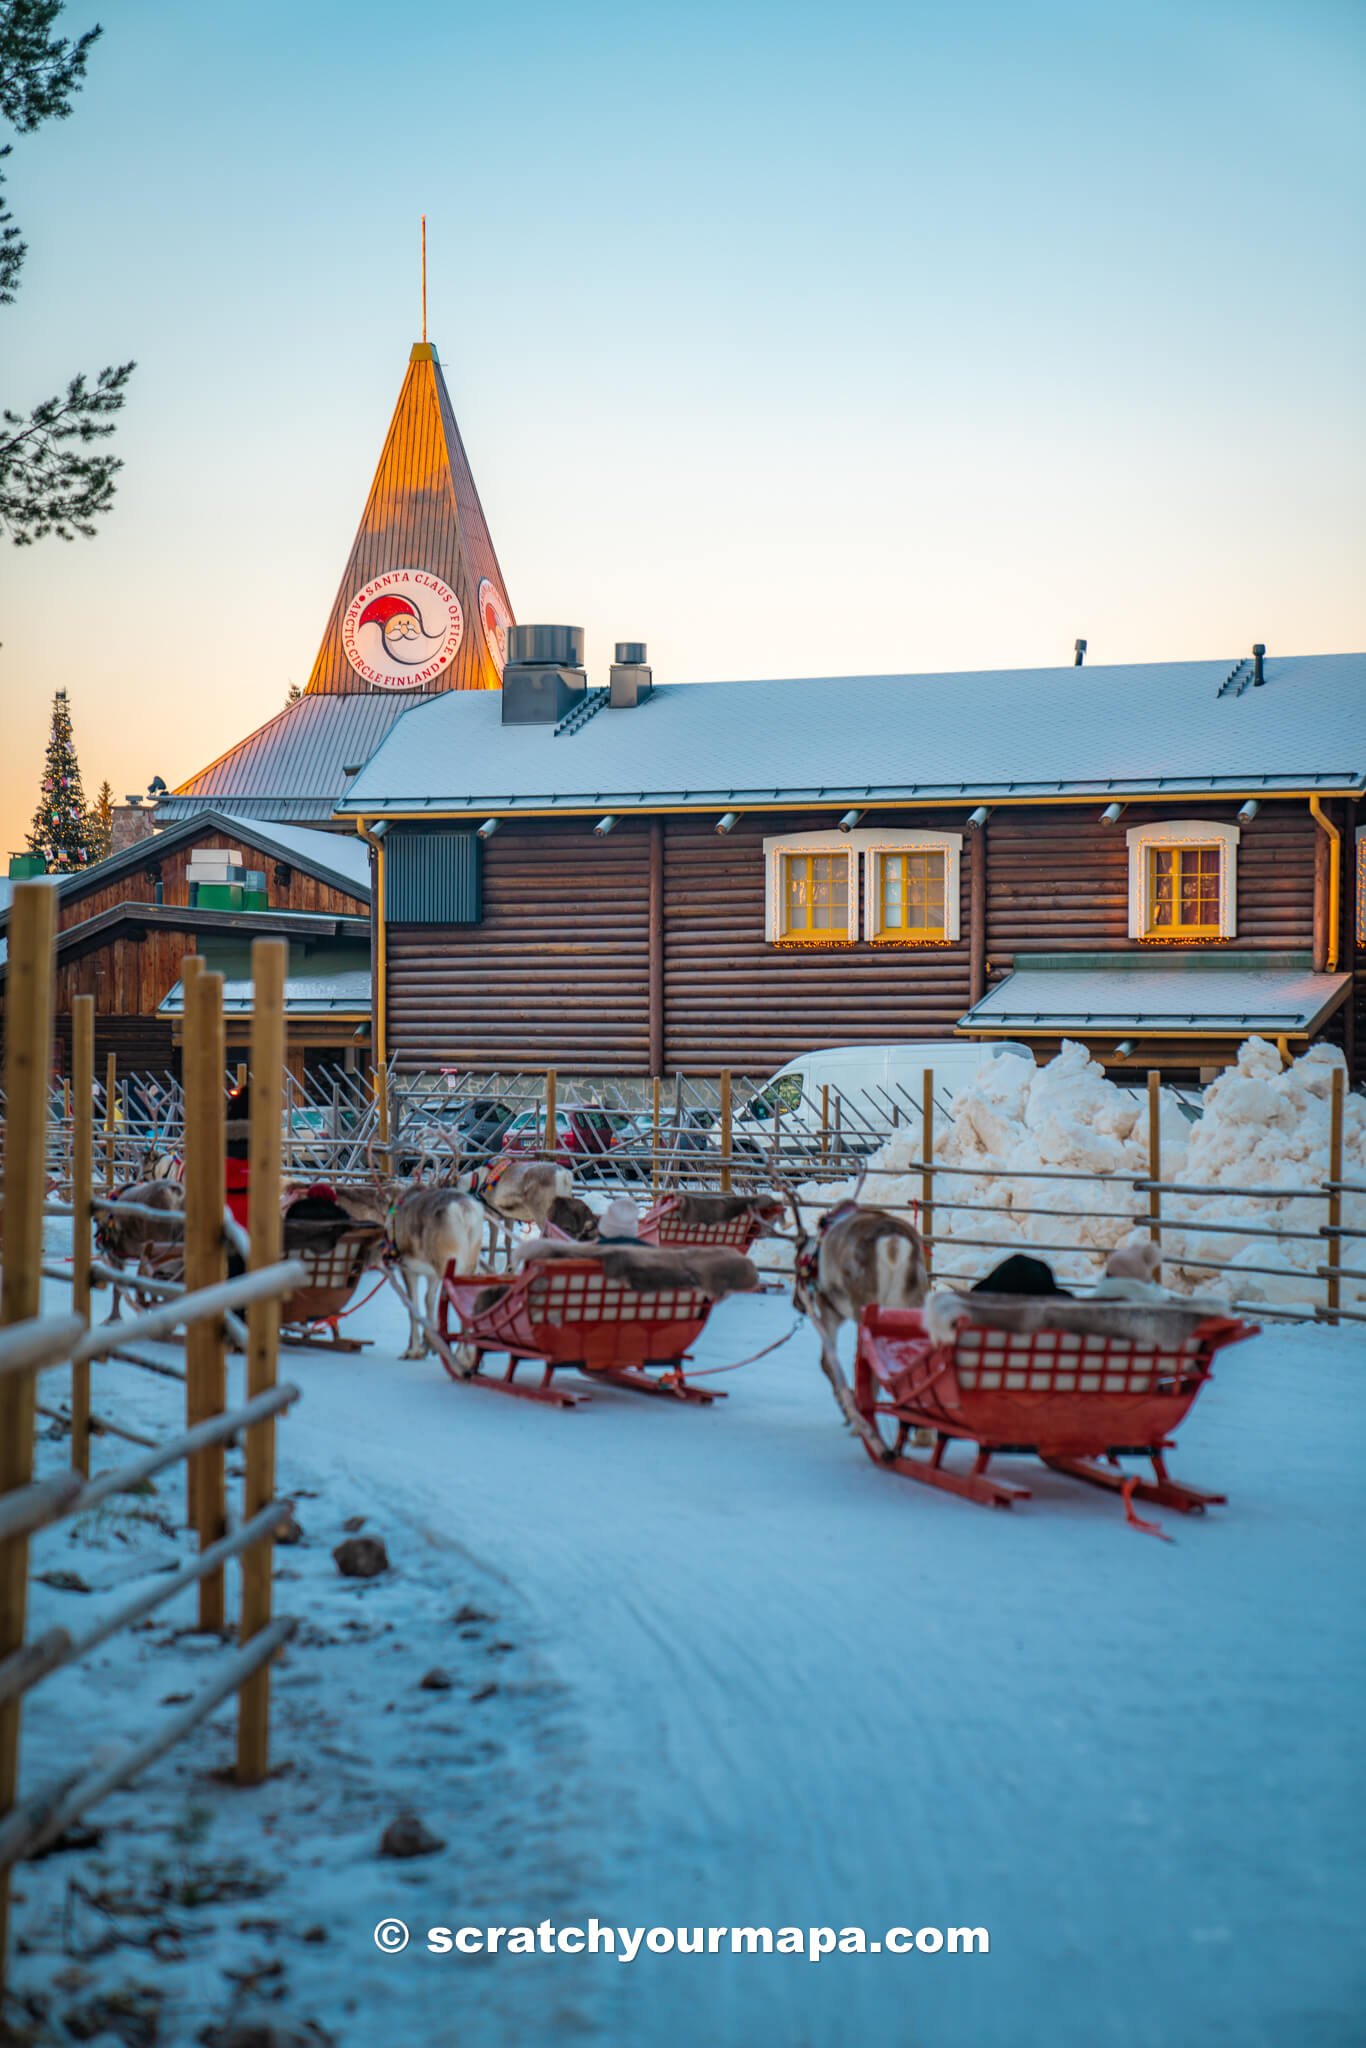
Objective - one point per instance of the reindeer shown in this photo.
(122, 1239)
(860, 1257)
(522, 1191)
(426, 1229)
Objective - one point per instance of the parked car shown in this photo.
(870, 1087)
(581, 1135)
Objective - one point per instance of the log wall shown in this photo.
(557, 973)
(302, 892)
(1060, 879)
(560, 972)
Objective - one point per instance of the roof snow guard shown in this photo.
(1151, 729)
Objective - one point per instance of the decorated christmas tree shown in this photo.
(61, 828)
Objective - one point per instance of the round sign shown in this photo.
(495, 618)
(402, 629)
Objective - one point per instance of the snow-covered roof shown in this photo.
(306, 995)
(8, 885)
(1159, 727)
(294, 766)
(1159, 992)
(344, 855)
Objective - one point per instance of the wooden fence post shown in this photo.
(725, 1131)
(82, 1175)
(1155, 1163)
(927, 1167)
(269, 962)
(825, 1123)
(1335, 1117)
(28, 1059)
(205, 1264)
(111, 1097)
(551, 1111)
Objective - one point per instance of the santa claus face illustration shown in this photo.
(402, 629)
(495, 618)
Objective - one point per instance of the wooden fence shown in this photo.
(203, 1307)
(727, 1131)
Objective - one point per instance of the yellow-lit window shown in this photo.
(1183, 891)
(911, 895)
(816, 896)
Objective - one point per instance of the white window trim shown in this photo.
(861, 849)
(1182, 832)
(950, 844)
(845, 843)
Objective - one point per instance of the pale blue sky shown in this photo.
(792, 340)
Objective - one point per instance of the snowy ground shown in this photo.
(741, 1678)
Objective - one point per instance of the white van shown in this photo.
(864, 1090)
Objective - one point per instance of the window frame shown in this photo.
(1181, 835)
(776, 852)
(878, 849)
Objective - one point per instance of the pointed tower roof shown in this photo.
(422, 603)
(422, 607)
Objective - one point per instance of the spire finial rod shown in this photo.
(424, 277)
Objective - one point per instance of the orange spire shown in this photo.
(423, 548)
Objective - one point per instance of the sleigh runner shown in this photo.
(1080, 1390)
(570, 1314)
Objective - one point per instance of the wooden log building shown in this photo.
(1158, 860)
(126, 925)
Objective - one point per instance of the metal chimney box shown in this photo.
(544, 677)
(630, 681)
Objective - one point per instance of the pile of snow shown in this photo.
(1260, 1127)
(1267, 1127)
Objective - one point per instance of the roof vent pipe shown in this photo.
(1112, 814)
(1258, 655)
(728, 822)
(629, 681)
(1078, 653)
(849, 820)
(978, 818)
(1249, 811)
(488, 828)
(604, 825)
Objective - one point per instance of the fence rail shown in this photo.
(70, 1151)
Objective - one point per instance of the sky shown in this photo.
(790, 339)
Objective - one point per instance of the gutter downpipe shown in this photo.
(381, 1048)
(1334, 879)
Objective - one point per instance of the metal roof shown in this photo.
(1159, 991)
(306, 995)
(341, 858)
(293, 767)
(1162, 728)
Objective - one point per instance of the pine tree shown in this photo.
(100, 820)
(61, 828)
(52, 480)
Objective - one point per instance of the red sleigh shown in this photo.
(664, 1225)
(1080, 1397)
(567, 1314)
